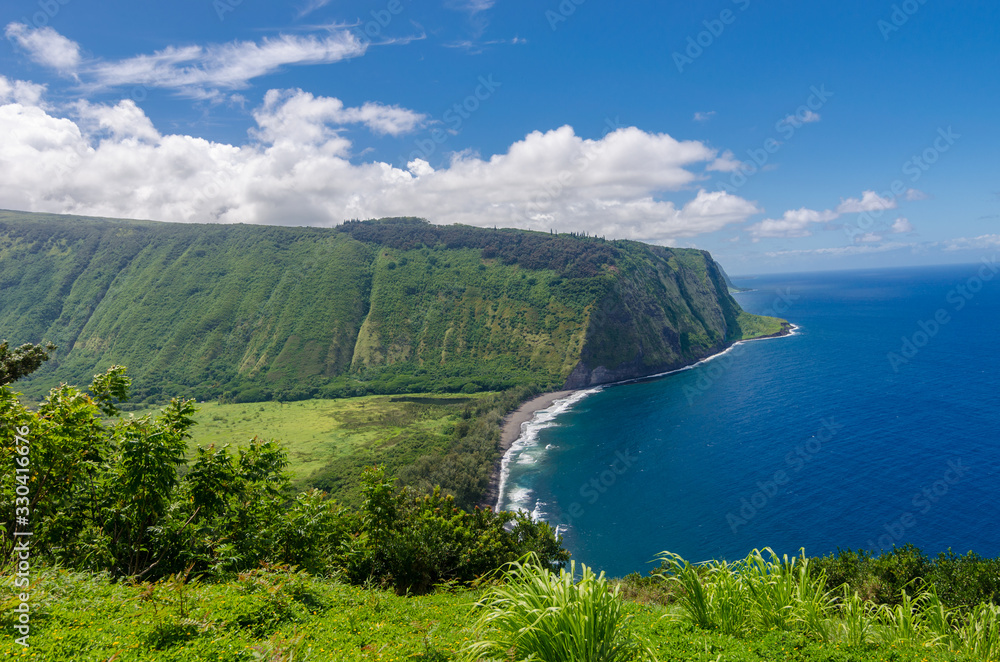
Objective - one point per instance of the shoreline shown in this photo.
(512, 423)
(510, 431)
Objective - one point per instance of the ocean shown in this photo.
(875, 425)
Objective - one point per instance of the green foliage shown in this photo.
(276, 613)
(330, 442)
(255, 313)
(109, 387)
(961, 581)
(413, 542)
(112, 497)
(537, 614)
(22, 361)
(465, 466)
(757, 595)
(758, 326)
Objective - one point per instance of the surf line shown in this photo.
(544, 418)
(540, 419)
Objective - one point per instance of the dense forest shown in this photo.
(251, 313)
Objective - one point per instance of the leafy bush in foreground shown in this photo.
(961, 581)
(120, 497)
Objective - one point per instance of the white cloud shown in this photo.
(798, 222)
(725, 163)
(870, 201)
(794, 223)
(471, 6)
(123, 121)
(986, 241)
(299, 116)
(915, 194)
(477, 47)
(19, 91)
(856, 249)
(46, 47)
(111, 161)
(311, 6)
(798, 119)
(196, 71)
(902, 226)
(703, 117)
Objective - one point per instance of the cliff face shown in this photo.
(666, 309)
(254, 312)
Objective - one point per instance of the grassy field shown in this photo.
(317, 433)
(281, 616)
(330, 442)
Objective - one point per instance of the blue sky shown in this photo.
(780, 136)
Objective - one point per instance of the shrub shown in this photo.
(412, 542)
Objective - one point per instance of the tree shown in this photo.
(21, 362)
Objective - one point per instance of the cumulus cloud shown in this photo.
(703, 117)
(725, 163)
(122, 121)
(110, 160)
(20, 91)
(196, 71)
(870, 201)
(799, 222)
(794, 223)
(915, 194)
(901, 226)
(299, 116)
(46, 47)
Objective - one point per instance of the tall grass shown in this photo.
(765, 592)
(979, 634)
(539, 615)
(757, 593)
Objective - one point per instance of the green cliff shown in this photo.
(399, 305)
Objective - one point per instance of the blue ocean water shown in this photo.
(876, 424)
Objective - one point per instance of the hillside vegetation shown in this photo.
(251, 313)
(278, 614)
(425, 441)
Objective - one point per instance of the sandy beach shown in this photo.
(511, 430)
